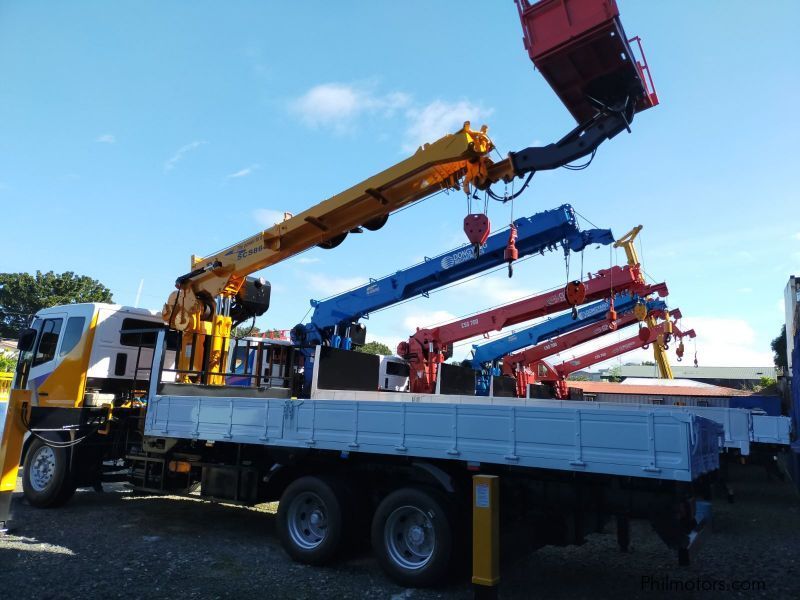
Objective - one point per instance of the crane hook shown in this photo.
(611, 315)
(511, 253)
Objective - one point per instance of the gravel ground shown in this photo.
(119, 544)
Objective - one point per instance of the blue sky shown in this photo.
(136, 134)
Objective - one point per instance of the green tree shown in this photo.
(245, 331)
(8, 362)
(648, 363)
(22, 294)
(779, 350)
(614, 374)
(375, 348)
(578, 377)
(765, 383)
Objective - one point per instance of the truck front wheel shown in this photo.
(313, 517)
(46, 478)
(412, 536)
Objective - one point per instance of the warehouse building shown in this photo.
(740, 378)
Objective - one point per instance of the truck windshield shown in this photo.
(26, 358)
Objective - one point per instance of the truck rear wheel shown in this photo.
(46, 478)
(313, 517)
(412, 537)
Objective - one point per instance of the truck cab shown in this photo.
(86, 354)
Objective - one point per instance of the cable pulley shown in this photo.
(575, 294)
(477, 227)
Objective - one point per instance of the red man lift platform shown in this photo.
(584, 54)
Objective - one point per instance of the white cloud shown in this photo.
(170, 164)
(244, 172)
(494, 291)
(106, 138)
(308, 260)
(325, 285)
(797, 235)
(268, 217)
(335, 105)
(430, 122)
(426, 319)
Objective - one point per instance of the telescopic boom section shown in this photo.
(624, 302)
(517, 364)
(659, 334)
(334, 317)
(561, 342)
(428, 347)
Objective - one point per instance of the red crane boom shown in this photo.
(428, 347)
(516, 364)
(558, 374)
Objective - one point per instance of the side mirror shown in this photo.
(26, 340)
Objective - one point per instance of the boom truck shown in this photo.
(351, 459)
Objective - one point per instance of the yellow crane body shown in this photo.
(198, 306)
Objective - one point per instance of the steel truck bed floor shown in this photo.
(672, 446)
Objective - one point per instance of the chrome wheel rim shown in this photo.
(308, 520)
(410, 537)
(43, 468)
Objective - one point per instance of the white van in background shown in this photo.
(394, 374)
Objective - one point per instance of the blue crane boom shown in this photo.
(485, 356)
(334, 321)
(334, 317)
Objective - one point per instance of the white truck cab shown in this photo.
(83, 353)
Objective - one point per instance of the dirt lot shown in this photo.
(119, 544)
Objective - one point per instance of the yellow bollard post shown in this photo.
(485, 535)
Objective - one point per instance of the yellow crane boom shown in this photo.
(200, 306)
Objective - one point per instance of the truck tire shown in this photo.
(313, 518)
(412, 537)
(46, 478)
